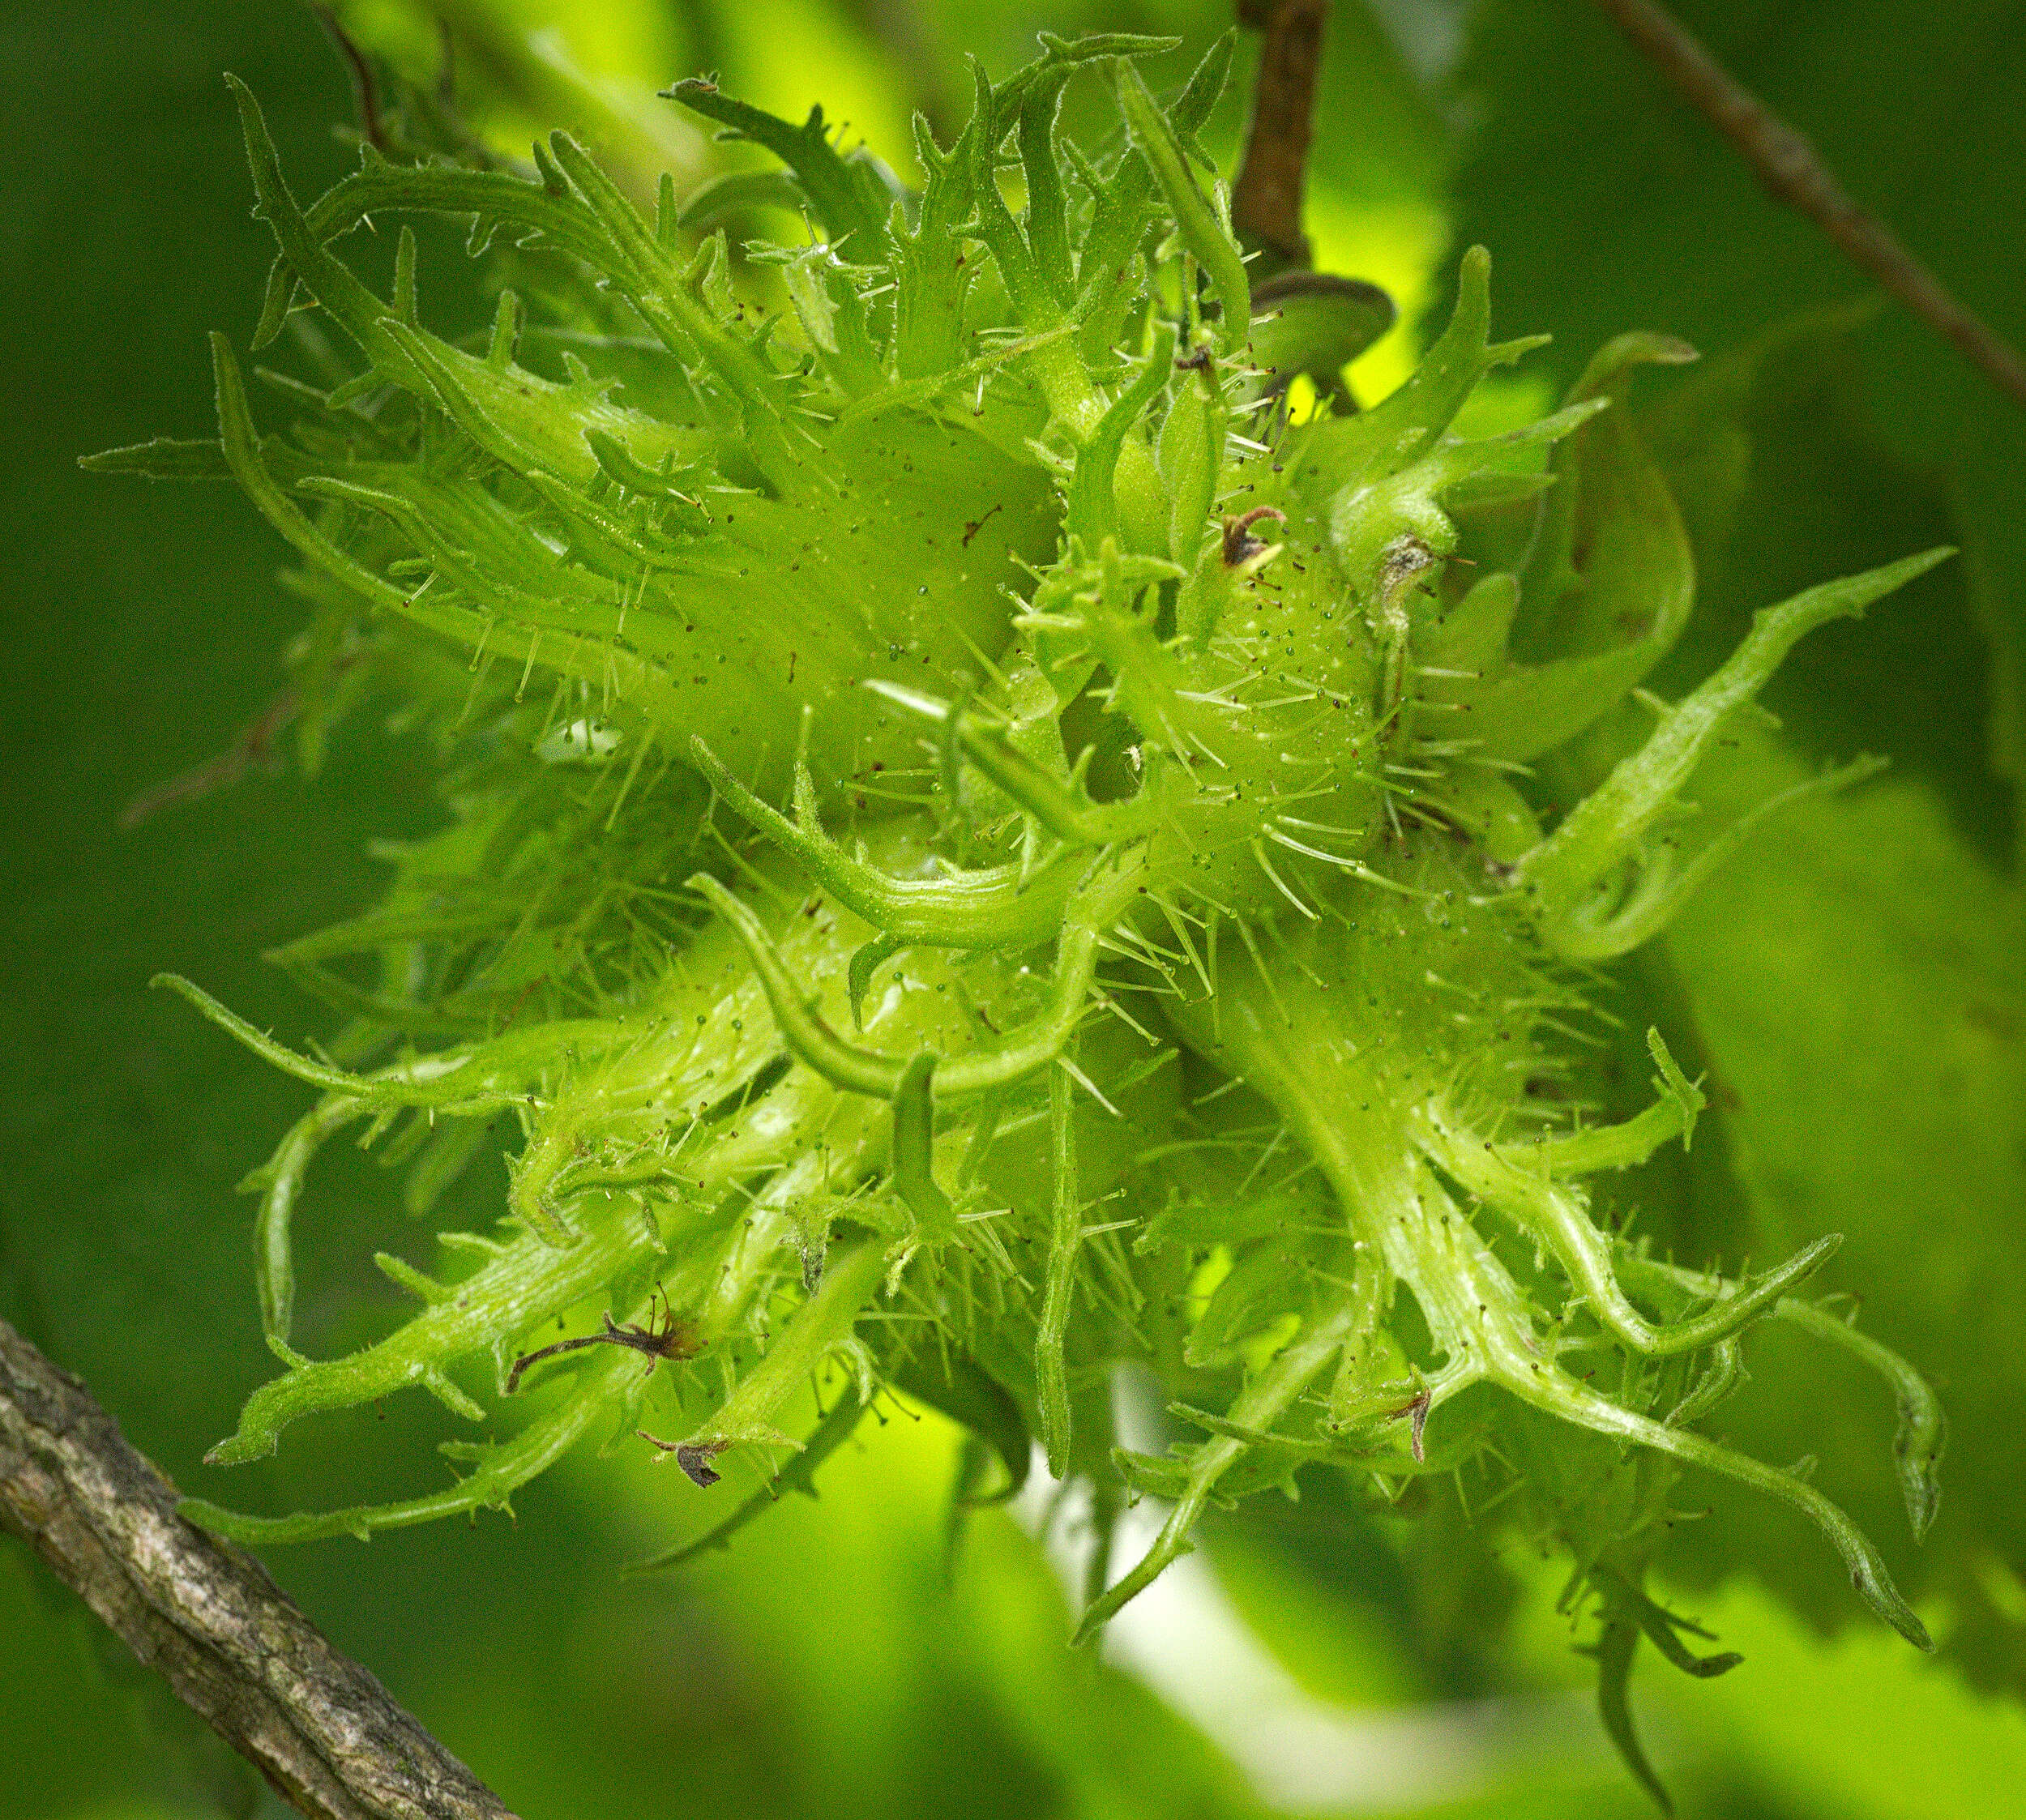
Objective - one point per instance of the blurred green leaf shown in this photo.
(1613, 205)
(1854, 976)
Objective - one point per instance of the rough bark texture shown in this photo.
(231, 1644)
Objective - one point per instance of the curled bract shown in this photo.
(986, 845)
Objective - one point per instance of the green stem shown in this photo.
(1923, 1434)
(1560, 1219)
(280, 1182)
(1097, 906)
(1260, 1404)
(502, 1471)
(1066, 1234)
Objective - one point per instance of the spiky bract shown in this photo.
(959, 754)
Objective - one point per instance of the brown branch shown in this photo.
(1266, 201)
(366, 93)
(255, 745)
(1788, 166)
(231, 1644)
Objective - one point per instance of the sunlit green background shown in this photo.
(1858, 975)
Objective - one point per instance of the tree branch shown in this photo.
(1788, 166)
(255, 745)
(1265, 200)
(233, 1645)
(366, 94)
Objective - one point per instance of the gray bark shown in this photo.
(233, 1645)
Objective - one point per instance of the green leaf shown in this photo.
(1859, 986)
(1310, 322)
(736, 193)
(1854, 972)
(1609, 200)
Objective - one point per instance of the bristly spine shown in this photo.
(951, 746)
